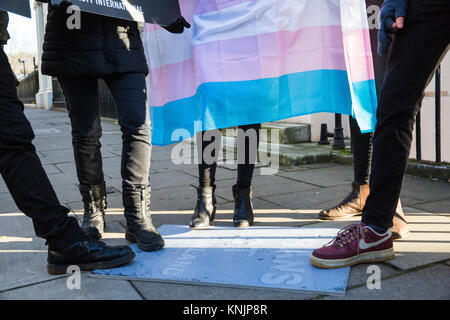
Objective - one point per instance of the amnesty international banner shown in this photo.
(246, 62)
(21, 7)
(162, 12)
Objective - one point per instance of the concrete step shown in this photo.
(288, 154)
(280, 133)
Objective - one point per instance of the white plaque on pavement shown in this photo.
(274, 258)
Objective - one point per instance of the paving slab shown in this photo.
(427, 243)
(359, 274)
(172, 291)
(51, 169)
(7, 203)
(21, 250)
(426, 284)
(425, 189)
(176, 198)
(275, 258)
(263, 186)
(221, 173)
(68, 193)
(440, 207)
(317, 198)
(90, 289)
(324, 177)
(171, 179)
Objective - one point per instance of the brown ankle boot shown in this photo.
(351, 206)
(400, 227)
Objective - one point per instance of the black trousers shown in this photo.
(208, 149)
(129, 93)
(22, 170)
(416, 52)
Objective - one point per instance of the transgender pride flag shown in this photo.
(255, 61)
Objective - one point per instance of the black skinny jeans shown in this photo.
(129, 93)
(416, 52)
(22, 170)
(208, 150)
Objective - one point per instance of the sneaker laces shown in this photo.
(348, 234)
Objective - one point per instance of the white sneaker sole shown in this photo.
(368, 257)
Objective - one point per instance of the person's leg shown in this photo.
(84, 111)
(362, 149)
(246, 165)
(247, 148)
(22, 170)
(416, 52)
(31, 190)
(208, 146)
(130, 95)
(354, 202)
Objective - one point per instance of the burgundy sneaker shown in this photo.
(355, 244)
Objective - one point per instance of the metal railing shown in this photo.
(28, 88)
(105, 99)
(437, 104)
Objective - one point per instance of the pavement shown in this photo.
(293, 197)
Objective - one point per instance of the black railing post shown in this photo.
(338, 143)
(418, 138)
(438, 113)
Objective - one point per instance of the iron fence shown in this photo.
(28, 88)
(437, 105)
(105, 99)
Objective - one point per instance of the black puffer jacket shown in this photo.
(102, 46)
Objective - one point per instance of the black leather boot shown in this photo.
(94, 199)
(87, 255)
(243, 207)
(140, 228)
(205, 210)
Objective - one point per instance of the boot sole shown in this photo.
(149, 248)
(199, 227)
(397, 236)
(245, 225)
(368, 257)
(202, 227)
(57, 269)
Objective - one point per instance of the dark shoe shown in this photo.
(87, 255)
(351, 206)
(140, 228)
(243, 207)
(400, 227)
(354, 244)
(94, 199)
(205, 210)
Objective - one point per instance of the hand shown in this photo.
(178, 26)
(392, 19)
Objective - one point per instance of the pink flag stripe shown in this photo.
(257, 57)
(358, 47)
